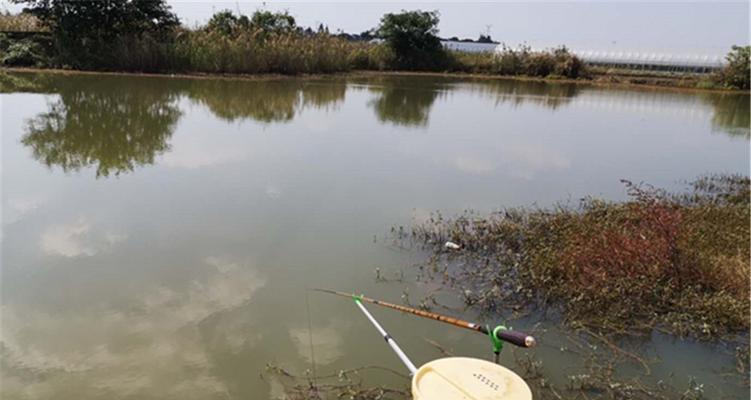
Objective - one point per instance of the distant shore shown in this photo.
(614, 79)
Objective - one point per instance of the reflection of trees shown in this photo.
(551, 95)
(405, 100)
(111, 123)
(264, 101)
(10, 82)
(116, 123)
(730, 113)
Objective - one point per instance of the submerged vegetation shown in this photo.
(615, 272)
(678, 263)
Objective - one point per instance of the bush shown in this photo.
(521, 61)
(32, 51)
(23, 53)
(737, 73)
(85, 30)
(411, 36)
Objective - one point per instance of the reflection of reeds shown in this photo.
(551, 95)
(731, 113)
(264, 101)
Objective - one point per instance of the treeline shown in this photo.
(121, 35)
(145, 36)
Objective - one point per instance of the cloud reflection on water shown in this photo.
(77, 239)
(151, 349)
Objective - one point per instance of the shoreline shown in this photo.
(594, 82)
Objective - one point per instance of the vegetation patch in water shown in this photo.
(674, 262)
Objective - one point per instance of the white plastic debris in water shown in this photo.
(451, 245)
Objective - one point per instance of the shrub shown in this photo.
(737, 73)
(567, 64)
(521, 61)
(411, 36)
(510, 61)
(23, 53)
(84, 30)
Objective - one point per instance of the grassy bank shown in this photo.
(271, 43)
(674, 262)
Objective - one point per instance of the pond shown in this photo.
(159, 234)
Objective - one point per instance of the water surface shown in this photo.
(158, 234)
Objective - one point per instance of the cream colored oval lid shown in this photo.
(456, 378)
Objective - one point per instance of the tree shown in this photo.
(412, 35)
(226, 23)
(83, 30)
(273, 22)
(103, 19)
(736, 74)
(484, 39)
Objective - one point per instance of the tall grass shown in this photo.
(19, 23)
(259, 52)
(522, 61)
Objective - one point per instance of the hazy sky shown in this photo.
(708, 27)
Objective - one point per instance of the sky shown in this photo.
(698, 27)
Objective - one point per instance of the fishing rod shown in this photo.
(498, 335)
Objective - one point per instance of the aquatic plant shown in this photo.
(675, 262)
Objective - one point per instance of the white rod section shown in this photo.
(411, 367)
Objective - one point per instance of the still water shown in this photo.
(158, 234)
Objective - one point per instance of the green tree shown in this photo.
(84, 30)
(737, 73)
(273, 22)
(226, 23)
(412, 35)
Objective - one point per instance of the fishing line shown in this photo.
(310, 336)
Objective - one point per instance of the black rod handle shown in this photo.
(517, 338)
